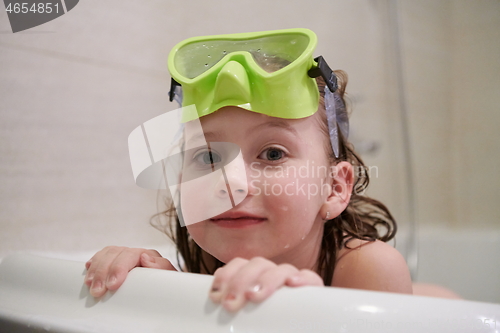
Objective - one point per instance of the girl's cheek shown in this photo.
(192, 201)
(287, 197)
(205, 197)
(291, 188)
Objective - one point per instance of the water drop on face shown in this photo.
(285, 208)
(303, 237)
(287, 246)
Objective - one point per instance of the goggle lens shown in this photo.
(271, 53)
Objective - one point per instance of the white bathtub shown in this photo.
(44, 294)
(465, 261)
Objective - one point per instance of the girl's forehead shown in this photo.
(233, 114)
(230, 118)
(233, 124)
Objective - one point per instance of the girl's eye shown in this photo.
(272, 154)
(207, 158)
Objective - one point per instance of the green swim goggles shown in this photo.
(266, 72)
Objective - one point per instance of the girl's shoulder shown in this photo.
(371, 265)
(358, 249)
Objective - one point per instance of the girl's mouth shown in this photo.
(237, 220)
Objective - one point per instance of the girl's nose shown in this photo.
(232, 184)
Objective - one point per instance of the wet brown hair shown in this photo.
(364, 218)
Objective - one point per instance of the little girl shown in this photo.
(270, 190)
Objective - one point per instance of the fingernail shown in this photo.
(90, 277)
(253, 290)
(215, 294)
(96, 287)
(253, 293)
(232, 302)
(256, 288)
(230, 297)
(111, 281)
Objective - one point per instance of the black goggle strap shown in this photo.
(336, 112)
(325, 72)
(175, 92)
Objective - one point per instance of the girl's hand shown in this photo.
(108, 268)
(243, 280)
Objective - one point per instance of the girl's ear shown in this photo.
(338, 199)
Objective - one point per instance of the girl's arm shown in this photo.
(372, 266)
(108, 268)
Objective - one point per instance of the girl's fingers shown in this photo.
(233, 294)
(110, 267)
(222, 276)
(130, 258)
(92, 265)
(269, 282)
(88, 263)
(255, 280)
(305, 277)
(98, 272)
(150, 261)
(122, 263)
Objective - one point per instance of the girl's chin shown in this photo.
(238, 254)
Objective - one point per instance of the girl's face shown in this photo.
(286, 182)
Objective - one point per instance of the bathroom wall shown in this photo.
(452, 76)
(476, 105)
(72, 90)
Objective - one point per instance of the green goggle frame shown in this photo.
(266, 72)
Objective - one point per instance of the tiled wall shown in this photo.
(72, 90)
(452, 64)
